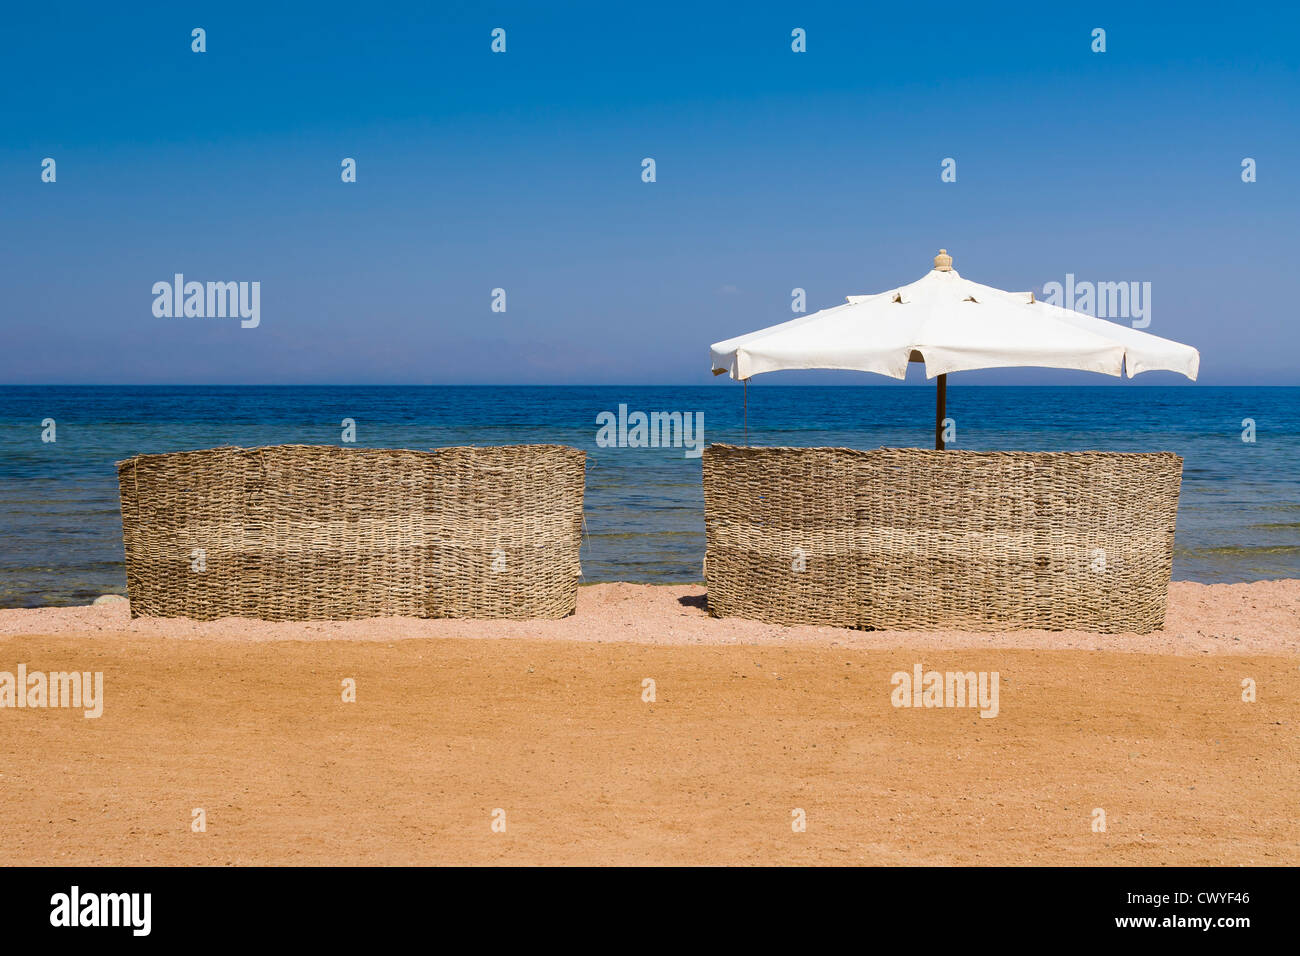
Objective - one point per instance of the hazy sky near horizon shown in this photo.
(523, 171)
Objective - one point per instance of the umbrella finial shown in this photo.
(943, 261)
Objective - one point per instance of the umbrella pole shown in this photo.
(746, 412)
(940, 409)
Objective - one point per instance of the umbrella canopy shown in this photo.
(952, 325)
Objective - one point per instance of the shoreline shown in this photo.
(1262, 617)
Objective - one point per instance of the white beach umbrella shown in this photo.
(952, 325)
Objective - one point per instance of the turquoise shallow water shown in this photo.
(60, 531)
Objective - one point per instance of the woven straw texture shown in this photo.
(916, 539)
(298, 532)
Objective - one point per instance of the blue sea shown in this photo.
(60, 530)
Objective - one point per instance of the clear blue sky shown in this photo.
(523, 171)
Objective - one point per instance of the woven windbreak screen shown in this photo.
(917, 539)
(298, 532)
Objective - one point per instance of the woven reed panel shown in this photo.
(917, 539)
(298, 532)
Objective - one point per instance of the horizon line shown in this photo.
(720, 384)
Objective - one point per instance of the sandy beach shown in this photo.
(547, 726)
(1262, 617)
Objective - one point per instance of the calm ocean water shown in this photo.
(60, 532)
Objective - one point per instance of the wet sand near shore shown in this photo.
(1262, 617)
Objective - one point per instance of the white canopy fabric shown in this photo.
(952, 325)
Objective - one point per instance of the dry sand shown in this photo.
(749, 724)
